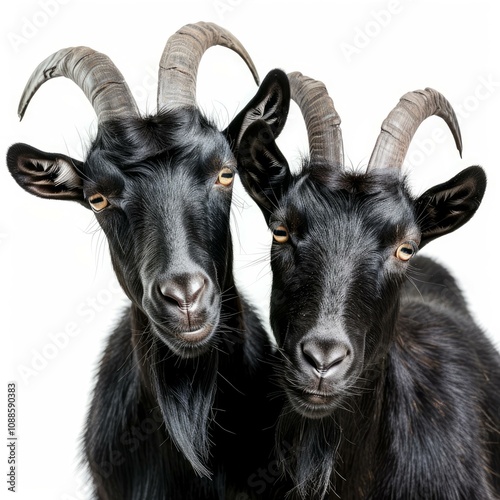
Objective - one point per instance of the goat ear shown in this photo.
(263, 169)
(446, 207)
(271, 104)
(45, 174)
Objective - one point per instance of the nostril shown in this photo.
(323, 357)
(310, 357)
(173, 293)
(196, 288)
(172, 297)
(337, 359)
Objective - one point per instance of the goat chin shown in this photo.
(313, 412)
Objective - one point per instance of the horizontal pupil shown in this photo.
(227, 175)
(407, 250)
(97, 200)
(279, 232)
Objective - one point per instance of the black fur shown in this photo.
(170, 418)
(410, 408)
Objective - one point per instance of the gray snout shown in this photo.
(324, 358)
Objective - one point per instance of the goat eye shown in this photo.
(406, 251)
(280, 234)
(226, 177)
(98, 202)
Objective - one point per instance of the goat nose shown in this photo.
(324, 357)
(185, 290)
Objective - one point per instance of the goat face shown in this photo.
(168, 228)
(335, 281)
(342, 247)
(164, 210)
(160, 187)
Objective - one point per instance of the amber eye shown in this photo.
(280, 234)
(98, 202)
(226, 177)
(406, 251)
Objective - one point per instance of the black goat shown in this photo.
(181, 389)
(393, 392)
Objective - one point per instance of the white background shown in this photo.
(55, 277)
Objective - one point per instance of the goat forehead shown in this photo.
(194, 161)
(336, 211)
(179, 138)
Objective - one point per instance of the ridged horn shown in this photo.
(322, 120)
(94, 73)
(402, 122)
(181, 58)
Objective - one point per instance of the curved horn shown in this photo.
(402, 122)
(181, 58)
(322, 120)
(94, 73)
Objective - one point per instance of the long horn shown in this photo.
(322, 120)
(402, 122)
(181, 58)
(94, 73)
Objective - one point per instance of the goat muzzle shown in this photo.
(186, 302)
(324, 360)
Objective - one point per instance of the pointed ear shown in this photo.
(263, 169)
(45, 174)
(446, 207)
(271, 104)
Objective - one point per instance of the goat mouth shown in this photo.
(196, 336)
(313, 405)
(188, 343)
(317, 398)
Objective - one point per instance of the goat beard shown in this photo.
(185, 391)
(307, 450)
